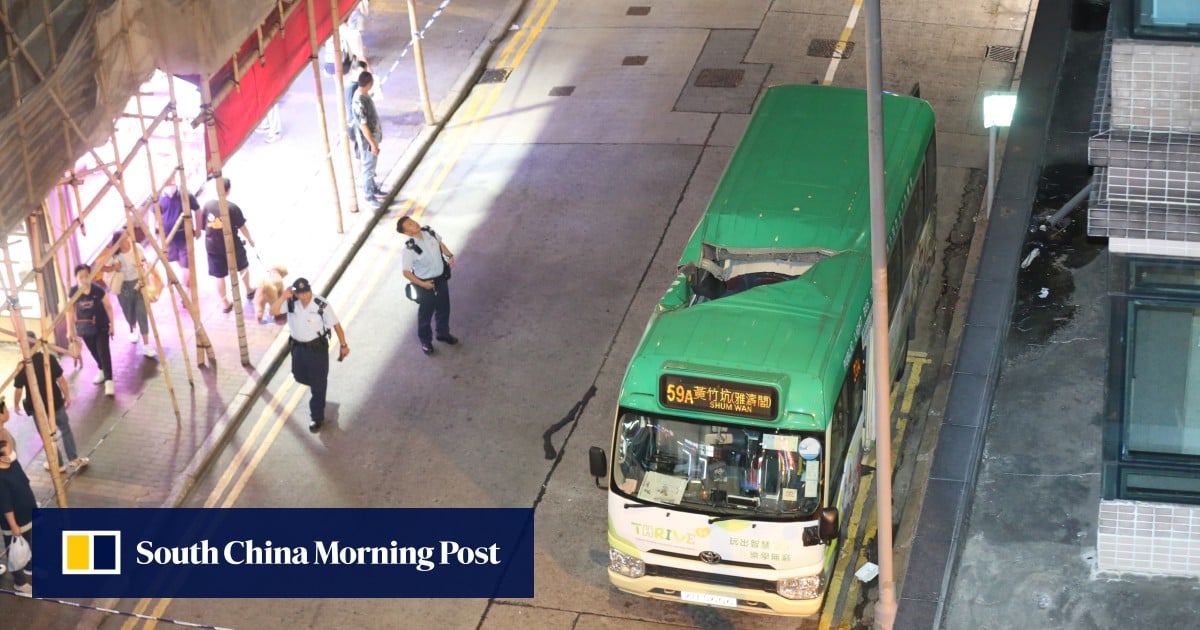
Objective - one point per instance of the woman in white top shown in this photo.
(126, 283)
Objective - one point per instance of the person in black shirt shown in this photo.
(61, 398)
(92, 321)
(16, 505)
(214, 244)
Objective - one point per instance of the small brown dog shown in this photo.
(269, 290)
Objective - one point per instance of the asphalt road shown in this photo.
(567, 218)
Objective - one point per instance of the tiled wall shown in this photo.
(1156, 538)
(1155, 85)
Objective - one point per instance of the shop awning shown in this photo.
(261, 78)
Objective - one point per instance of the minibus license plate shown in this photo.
(712, 600)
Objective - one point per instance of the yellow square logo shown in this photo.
(91, 552)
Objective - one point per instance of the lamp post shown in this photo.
(998, 110)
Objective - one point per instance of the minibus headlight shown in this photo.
(625, 564)
(807, 587)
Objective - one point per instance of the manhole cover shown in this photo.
(719, 78)
(1004, 54)
(634, 60)
(827, 48)
(637, 11)
(495, 75)
(562, 90)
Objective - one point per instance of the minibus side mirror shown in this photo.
(598, 462)
(828, 525)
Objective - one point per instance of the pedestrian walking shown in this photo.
(56, 396)
(427, 263)
(173, 216)
(370, 135)
(92, 321)
(214, 245)
(16, 505)
(310, 320)
(127, 267)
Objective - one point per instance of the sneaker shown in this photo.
(61, 469)
(148, 351)
(133, 336)
(427, 348)
(23, 590)
(99, 380)
(314, 425)
(80, 462)
(108, 388)
(449, 340)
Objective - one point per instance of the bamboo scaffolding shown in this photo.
(241, 58)
(40, 418)
(30, 195)
(42, 414)
(131, 232)
(203, 346)
(113, 179)
(343, 115)
(214, 166)
(316, 68)
(187, 362)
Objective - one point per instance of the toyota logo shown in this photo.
(711, 557)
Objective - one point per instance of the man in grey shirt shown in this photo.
(370, 134)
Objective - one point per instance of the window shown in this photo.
(1167, 19)
(1163, 380)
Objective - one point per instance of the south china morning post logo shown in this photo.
(285, 552)
(91, 552)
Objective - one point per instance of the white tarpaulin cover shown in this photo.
(80, 73)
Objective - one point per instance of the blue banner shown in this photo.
(342, 553)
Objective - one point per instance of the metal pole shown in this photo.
(885, 608)
(419, 58)
(991, 167)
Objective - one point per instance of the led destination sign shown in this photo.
(718, 396)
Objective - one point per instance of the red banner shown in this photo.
(264, 80)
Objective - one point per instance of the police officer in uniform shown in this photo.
(427, 264)
(310, 320)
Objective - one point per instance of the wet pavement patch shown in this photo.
(1045, 285)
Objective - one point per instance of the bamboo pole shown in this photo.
(203, 346)
(316, 68)
(239, 58)
(9, 41)
(141, 271)
(343, 115)
(214, 166)
(419, 60)
(42, 412)
(162, 230)
(40, 419)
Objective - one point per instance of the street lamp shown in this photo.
(998, 110)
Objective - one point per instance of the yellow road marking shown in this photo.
(259, 454)
(843, 39)
(830, 611)
(243, 452)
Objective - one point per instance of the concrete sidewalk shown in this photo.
(141, 455)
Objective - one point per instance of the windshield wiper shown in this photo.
(724, 517)
(639, 505)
